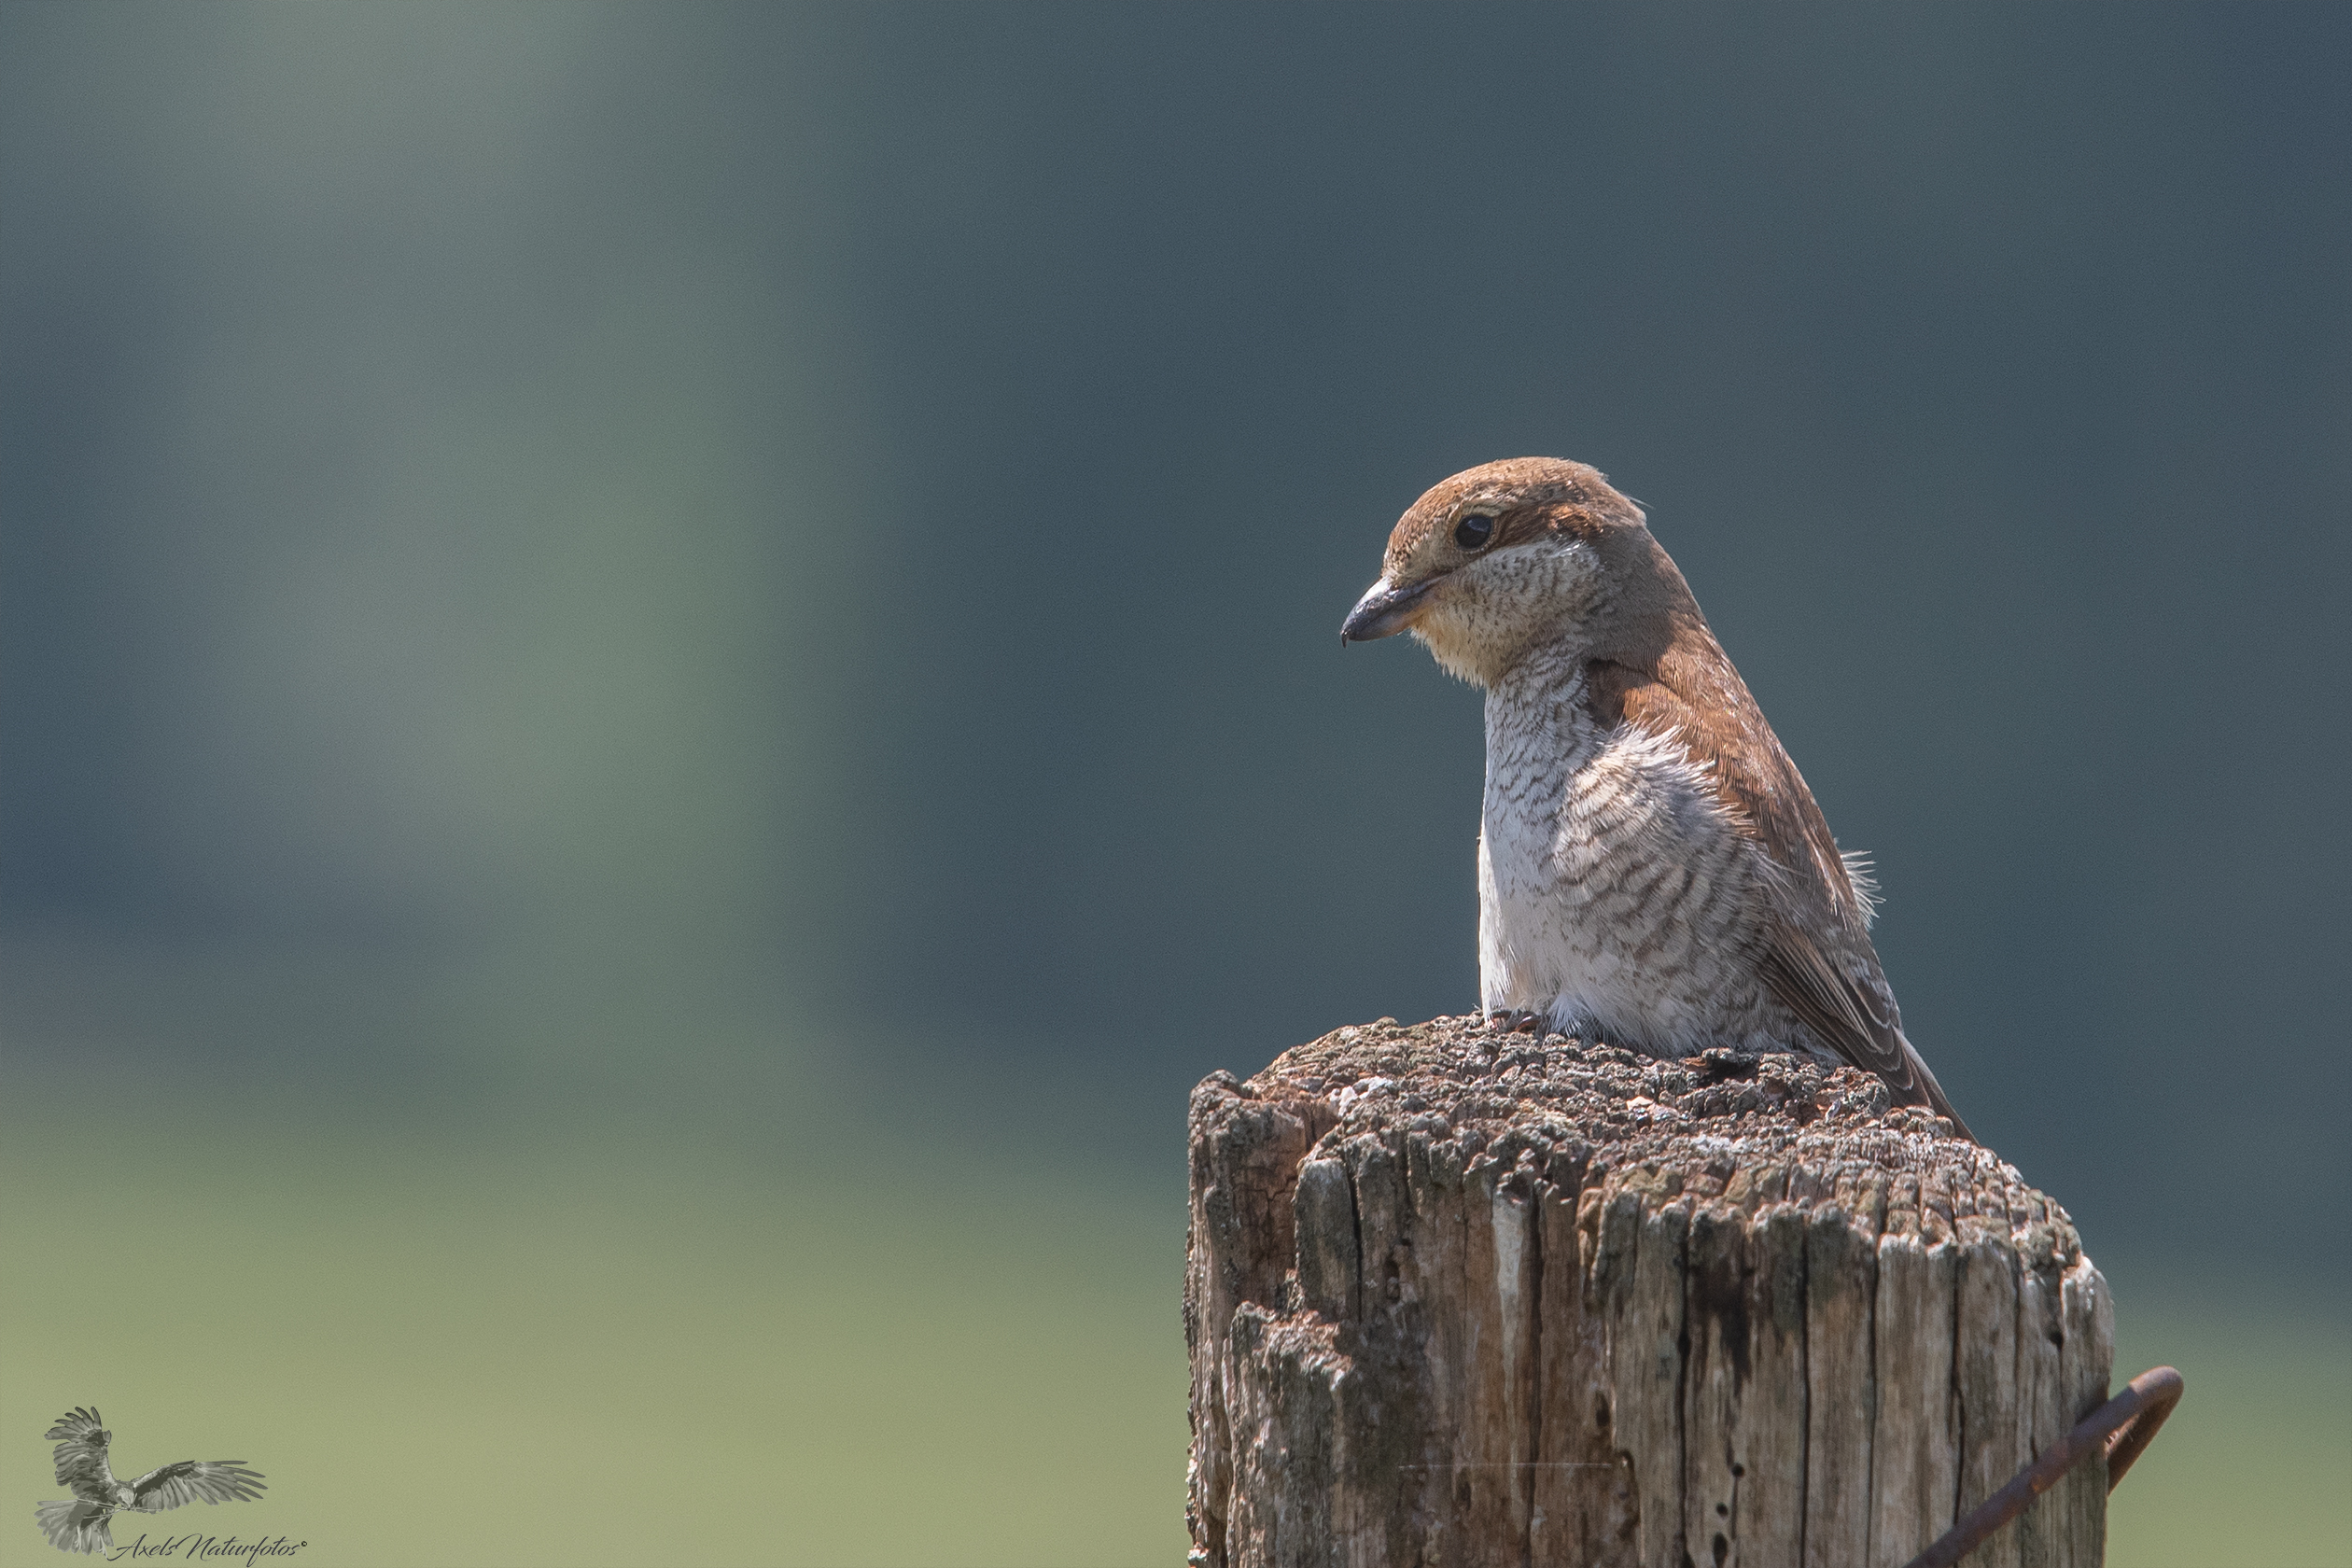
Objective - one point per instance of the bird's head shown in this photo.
(1500, 559)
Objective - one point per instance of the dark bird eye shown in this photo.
(1473, 531)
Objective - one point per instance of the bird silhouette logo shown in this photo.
(81, 1525)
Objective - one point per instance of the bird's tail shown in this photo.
(80, 1525)
(1936, 1100)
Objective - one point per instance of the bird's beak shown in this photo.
(1384, 611)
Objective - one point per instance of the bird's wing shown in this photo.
(1694, 696)
(81, 1454)
(1854, 1016)
(196, 1480)
(76, 1527)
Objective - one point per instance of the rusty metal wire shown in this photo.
(2123, 1427)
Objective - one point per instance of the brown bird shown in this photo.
(1652, 869)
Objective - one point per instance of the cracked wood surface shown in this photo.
(1462, 1298)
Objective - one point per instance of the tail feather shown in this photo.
(76, 1526)
(1936, 1098)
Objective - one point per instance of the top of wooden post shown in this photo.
(1461, 1297)
(1722, 1127)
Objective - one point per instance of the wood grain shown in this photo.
(1456, 1298)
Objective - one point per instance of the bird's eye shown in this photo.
(1474, 531)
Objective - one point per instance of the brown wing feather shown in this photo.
(1691, 692)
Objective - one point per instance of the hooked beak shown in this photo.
(1384, 611)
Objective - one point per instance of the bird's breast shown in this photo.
(1614, 888)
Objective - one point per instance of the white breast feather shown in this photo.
(1606, 869)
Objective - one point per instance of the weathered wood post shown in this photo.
(1457, 1298)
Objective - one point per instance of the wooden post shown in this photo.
(1458, 1297)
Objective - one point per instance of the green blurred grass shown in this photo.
(572, 1339)
(585, 1348)
(2256, 1462)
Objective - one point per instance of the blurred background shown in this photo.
(666, 674)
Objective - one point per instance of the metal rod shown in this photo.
(2121, 1428)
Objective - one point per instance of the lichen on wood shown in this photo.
(1455, 1296)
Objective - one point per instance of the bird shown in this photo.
(81, 1525)
(1652, 872)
